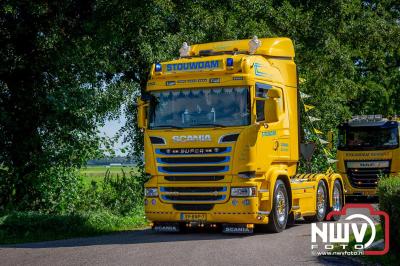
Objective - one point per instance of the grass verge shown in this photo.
(22, 227)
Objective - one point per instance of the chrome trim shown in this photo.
(228, 150)
(297, 181)
(302, 188)
(162, 190)
(226, 160)
(263, 212)
(222, 198)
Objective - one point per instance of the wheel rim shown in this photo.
(321, 200)
(281, 207)
(337, 199)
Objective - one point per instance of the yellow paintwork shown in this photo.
(343, 156)
(269, 47)
(271, 150)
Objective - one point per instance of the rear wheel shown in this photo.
(321, 204)
(280, 208)
(337, 199)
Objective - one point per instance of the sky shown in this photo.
(111, 128)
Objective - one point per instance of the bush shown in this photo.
(51, 190)
(389, 201)
(119, 195)
(64, 207)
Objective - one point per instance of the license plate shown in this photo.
(194, 217)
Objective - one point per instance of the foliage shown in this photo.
(56, 86)
(389, 201)
(18, 227)
(120, 195)
(114, 204)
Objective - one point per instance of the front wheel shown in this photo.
(280, 208)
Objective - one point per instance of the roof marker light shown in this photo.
(229, 62)
(158, 67)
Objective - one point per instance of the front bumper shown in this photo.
(352, 191)
(235, 210)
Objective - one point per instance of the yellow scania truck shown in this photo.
(221, 140)
(368, 148)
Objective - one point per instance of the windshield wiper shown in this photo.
(209, 124)
(167, 126)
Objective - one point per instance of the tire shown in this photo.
(321, 199)
(280, 209)
(337, 199)
(291, 220)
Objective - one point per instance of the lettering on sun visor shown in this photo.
(213, 64)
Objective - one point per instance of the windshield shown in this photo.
(363, 138)
(210, 107)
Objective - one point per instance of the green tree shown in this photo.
(56, 86)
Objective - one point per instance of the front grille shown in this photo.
(194, 178)
(366, 177)
(193, 160)
(193, 169)
(193, 151)
(193, 189)
(193, 207)
(194, 194)
(193, 198)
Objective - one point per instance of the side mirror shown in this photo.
(329, 137)
(141, 113)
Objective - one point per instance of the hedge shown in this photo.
(389, 201)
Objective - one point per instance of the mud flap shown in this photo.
(237, 228)
(167, 227)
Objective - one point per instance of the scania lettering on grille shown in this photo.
(192, 138)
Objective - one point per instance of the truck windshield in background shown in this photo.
(208, 107)
(366, 138)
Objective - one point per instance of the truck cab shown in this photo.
(221, 140)
(368, 149)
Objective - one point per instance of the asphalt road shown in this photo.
(145, 247)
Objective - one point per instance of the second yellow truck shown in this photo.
(221, 134)
(368, 149)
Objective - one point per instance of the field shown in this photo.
(97, 173)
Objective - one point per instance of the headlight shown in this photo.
(150, 192)
(243, 191)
